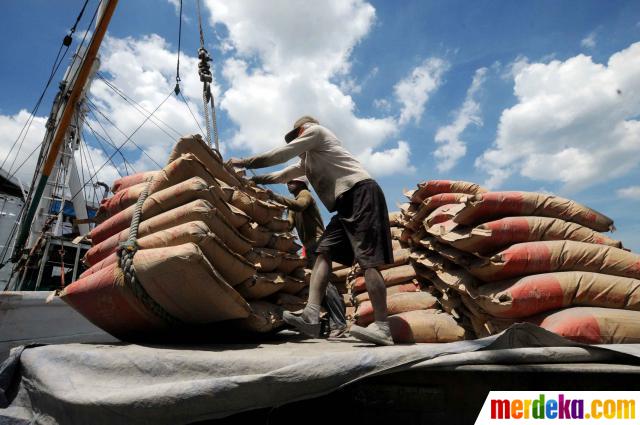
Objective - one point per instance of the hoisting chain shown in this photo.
(204, 71)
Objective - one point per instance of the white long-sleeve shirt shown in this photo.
(330, 168)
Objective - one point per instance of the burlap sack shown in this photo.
(233, 267)
(293, 285)
(210, 158)
(198, 210)
(289, 302)
(443, 216)
(261, 212)
(393, 276)
(490, 206)
(284, 242)
(291, 262)
(201, 295)
(132, 180)
(265, 317)
(183, 168)
(425, 326)
(594, 325)
(436, 187)
(278, 225)
(555, 256)
(538, 293)
(259, 235)
(413, 286)
(165, 200)
(494, 235)
(264, 259)
(431, 204)
(261, 286)
(396, 303)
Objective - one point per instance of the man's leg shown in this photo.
(309, 322)
(378, 332)
(377, 293)
(317, 288)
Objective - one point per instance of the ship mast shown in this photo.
(60, 142)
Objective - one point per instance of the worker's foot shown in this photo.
(377, 333)
(340, 332)
(310, 329)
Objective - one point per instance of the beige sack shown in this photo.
(594, 325)
(210, 158)
(256, 233)
(555, 256)
(393, 276)
(265, 317)
(261, 286)
(233, 267)
(490, 206)
(413, 286)
(183, 282)
(490, 237)
(396, 303)
(265, 259)
(535, 294)
(425, 326)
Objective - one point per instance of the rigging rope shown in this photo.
(125, 134)
(136, 106)
(125, 142)
(54, 70)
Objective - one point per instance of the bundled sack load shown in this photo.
(172, 287)
(183, 236)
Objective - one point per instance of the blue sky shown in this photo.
(528, 95)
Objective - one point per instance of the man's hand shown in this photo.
(270, 193)
(236, 162)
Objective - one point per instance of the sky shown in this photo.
(529, 95)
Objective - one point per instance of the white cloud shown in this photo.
(382, 104)
(144, 69)
(414, 90)
(515, 67)
(175, 4)
(451, 147)
(21, 162)
(27, 154)
(631, 192)
(390, 161)
(575, 122)
(284, 67)
(589, 42)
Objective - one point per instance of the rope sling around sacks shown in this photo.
(126, 253)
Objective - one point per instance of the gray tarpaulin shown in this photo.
(137, 384)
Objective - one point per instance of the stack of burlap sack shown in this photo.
(210, 248)
(415, 313)
(497, 258)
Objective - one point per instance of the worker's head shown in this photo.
(297, 184)
(298, 127)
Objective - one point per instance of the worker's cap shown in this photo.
(302, 180)
(290, 136)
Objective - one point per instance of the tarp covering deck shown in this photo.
(137, 384)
